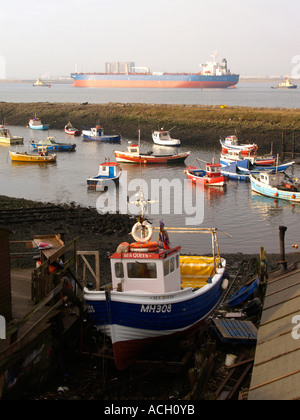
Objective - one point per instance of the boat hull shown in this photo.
(39, 127)
(168, 81)
(11, 140)
(134, 320)
(273, 192)
(216, 181)
(108, 139)
(72, 132)
(56, 147)
(23, 157)
(124, 157)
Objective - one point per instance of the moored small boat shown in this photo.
(53, 145)
(69, 129)
(108, 171)
(7, 138)
(42, 157)
(162, 138)
(36, 124)
(277, 185)
(135, 156)
(211, 176)
(235, 155)
(233, 143)
(97, 134)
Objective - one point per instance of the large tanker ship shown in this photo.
(212, 75)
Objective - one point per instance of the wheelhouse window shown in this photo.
(138, 270)
(119, 270)
(166, 268)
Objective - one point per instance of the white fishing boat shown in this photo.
(7, 138)
(156, 293)
(162, 138)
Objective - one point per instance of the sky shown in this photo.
(257, 37)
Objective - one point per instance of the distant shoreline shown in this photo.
(69, 80)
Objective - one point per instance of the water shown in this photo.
(251, 94)
(250, 219)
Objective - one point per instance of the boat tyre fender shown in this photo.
(137, 227)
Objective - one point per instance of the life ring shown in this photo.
(144, 225)
(149, 244)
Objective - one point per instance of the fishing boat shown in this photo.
(135, 156)
(247, 167)
(42, 157)
(162, 138)
(69, 129)
(53, 145)
(108, 171)
(156, 294)
(286, 84)
(235, 156)
(232, 172)
(97, 134)
(36, 124)
(277, 185)
(7, 138)
(233, 143)
(211, 176)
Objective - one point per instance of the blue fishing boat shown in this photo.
(155, 294)
(244, 293)
(97, 134)
(51, 145)
(36, 124)
(108, 171)
(232, 172)
(277, 185)
(247, 167)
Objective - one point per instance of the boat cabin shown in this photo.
(272, 179)
(146, 272)
(162, 135)
(134, 149)
(96, 131)
(231, 141)
(213, 169)
(109, 170)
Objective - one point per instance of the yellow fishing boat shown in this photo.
(26, 157)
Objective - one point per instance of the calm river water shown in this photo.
(250, 219)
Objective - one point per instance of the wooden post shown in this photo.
(293, 145)
(282, 230)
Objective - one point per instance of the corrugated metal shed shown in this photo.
(5, 282)
(276, 372)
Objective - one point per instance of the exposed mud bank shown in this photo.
(194, 124)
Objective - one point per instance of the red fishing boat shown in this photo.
(133, 155)
(69, 129)
(211, 176)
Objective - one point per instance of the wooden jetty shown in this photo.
(276, 372)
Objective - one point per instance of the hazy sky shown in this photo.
(258, 37)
